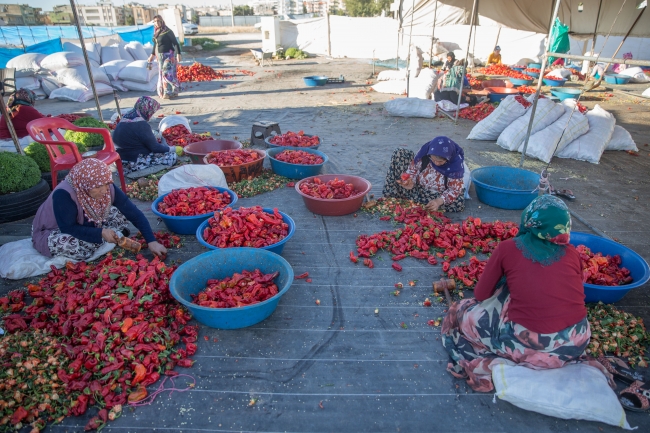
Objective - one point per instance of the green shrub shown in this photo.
(84, 140)
(17, 172)
(38, 153)
(295, 53)
(206, 43)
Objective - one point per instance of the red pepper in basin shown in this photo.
(239, 290)
(602, 270)
(193, 201)
(299, 157)
(245, 227)
(232, 157)
(333, 189)
(295, 139)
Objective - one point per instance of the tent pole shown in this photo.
(408, 58)
(399, 29)
(88, 67)
(10, 125)
(462, 77)
(433, 34)
(593, 41)
(539, 83)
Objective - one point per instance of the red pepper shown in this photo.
(294, 139)
(232, 157)
(299, 157)
(301, 276)
(397, 266)
(335, 189)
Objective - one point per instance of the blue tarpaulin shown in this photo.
(18, 40)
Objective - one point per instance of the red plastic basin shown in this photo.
(331, 207)
(235, 173)
(199, 149)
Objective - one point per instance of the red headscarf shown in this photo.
(86, 175)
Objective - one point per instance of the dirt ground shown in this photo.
(339, 366)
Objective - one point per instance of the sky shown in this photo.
(47, 5)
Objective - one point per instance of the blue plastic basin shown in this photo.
(192, 276)
(532, 74)
(638, 267)
(563, 94)
(315, 81)
(269, 144)
(558, 82)
(187, 225)
(505, 187)
(295, 171)
(275, 248)
(519, 69)
(616, 79)
(535, 65)
(498, 97)
(520, 81)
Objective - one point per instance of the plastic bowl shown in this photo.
(563, 94)
(269, 144)
(498, 93)
(554, 82)
(520, 69)
(535, 65)
(275, 248)
(192, 276)
(505, 187)
(638, 267)
(295, 171)
(616, 79)
(235, 173)
(531, 74)
(521, 81)
(187, 225)
(197, 150)
(315, 81)
(331, 207)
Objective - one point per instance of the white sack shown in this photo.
(513, 136)
(49, 84)
(445, 105)
(141, 87)
(119, 85)
(411, 107)
(590, 146)
(40, 94)
(124, 54)
(575, 391)
(467, 180)
(137, 71)
(148, 48)
(187, 176)
(80, 94)
(20, 259)
(646, 93)
(93, 50)
(78, 76)
(422, 86)
(113, 68)
(111, 54)
(396, 87)
(621, 140)
(550, 140)
(637, 74)
(460, 55)
(391, 74)
(493, 125)
(173, 120)
(30, 83)
(560, 73)
(61, 60)
(136, 50)
(26, 65)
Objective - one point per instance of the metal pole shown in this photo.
(117, 103)
(593, 41)
(539, 83)
(408, 58)
(10, 125)
(469, 40)
(602, 59)
(433, 33)
(88, 67)
(232, 14)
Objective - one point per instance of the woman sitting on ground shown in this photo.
(135, 142)
(20, 107)
(84, 211)
(450, 83)
(435, 176)
(529, 303)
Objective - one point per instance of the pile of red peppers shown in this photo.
(193, 201)
(238, 290)
(477, 112)
(602, 270)
(232, 157)
(198, 72)
(299, 157)
(178, 135)
(335, 189)
(295, 139)
(245, 227)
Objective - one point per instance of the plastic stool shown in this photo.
(262, 129)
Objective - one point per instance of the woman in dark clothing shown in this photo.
(168, 51)
(451, 59)
(450, 83)
(21, 109)
(135, 142)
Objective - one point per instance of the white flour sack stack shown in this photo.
(27, 68)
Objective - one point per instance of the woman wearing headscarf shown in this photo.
(451, 59)
(495, 56)
(433, 177)
(84, 211)
(20, 107)
(135, 141)
(529, 302)
(168, 51)
(453, 82)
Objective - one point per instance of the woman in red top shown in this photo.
(21, 109)
(529, 306)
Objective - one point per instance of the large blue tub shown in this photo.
(192, 276)
(505, 187)
(295, 171)
(638, 267)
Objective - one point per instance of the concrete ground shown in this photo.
(339, 366)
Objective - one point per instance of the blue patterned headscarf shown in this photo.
(444, 147)
(144, 108)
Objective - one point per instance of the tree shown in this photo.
(243, 10)
(366, 8)
(129, 21)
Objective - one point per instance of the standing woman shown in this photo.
(168, 51)
(433, 177)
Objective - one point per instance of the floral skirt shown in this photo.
(145, 161)
(399, 163)
(62, 244)
(476, 333)
(168, 84)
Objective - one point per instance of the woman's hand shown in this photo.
(110, 236)
(406, 184)
(434, 204)
(178, 58)
(157, 249)
(150, 59)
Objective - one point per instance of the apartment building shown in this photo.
(101, 14)
(142, 14)
(20, 15)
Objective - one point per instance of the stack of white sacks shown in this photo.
(559, 129)
(63, 75)
(422, 82)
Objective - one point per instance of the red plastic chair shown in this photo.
(46, 132)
